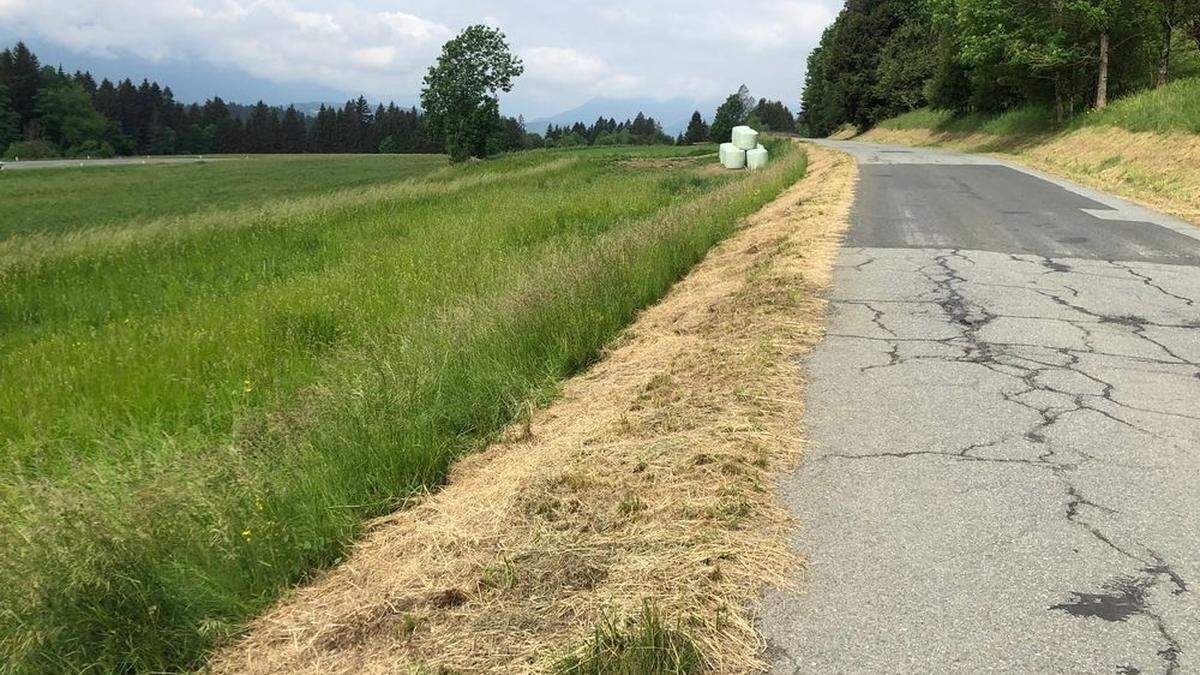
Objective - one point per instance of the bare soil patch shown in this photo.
(650, 479)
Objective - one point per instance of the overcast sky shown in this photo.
(573, 51)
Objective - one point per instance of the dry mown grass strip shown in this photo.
(651, 478)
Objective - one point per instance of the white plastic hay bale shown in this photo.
(756, 158)
(735, 157)
(721, 152)
(745, 138)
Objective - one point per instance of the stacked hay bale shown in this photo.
(743, 151)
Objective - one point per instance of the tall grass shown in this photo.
(90, 196)
(195, 416)
(1025, 121)
(1174, 108)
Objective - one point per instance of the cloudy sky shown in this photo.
(301, 50)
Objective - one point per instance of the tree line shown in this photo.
(642, 130)
(881, 58)
(739, 108)
(46, 112)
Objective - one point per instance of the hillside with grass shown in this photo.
(225, 391)
(1145, 146)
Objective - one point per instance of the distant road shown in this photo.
(116, 161)
(1004, 466)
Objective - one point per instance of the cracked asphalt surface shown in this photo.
(1004, 419)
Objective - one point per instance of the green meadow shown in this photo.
(212, 374)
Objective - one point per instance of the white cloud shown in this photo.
(558, 65)
(346, 47)
(658, 49)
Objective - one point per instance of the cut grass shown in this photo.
(221, 399)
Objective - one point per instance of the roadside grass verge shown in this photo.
(646, 482)
(1145, 146)
(198, 412)
(1170, 109)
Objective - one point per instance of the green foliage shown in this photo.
(93, 150)
(642, 130)
(66, 116)
(1168, 109)
(223, 397)
(10, 121)
(843, 80)
(730, 114)
(39, 149)
(146, 119)
(637, 646)
(773, 116)
(697, 129)
(459, 96)
(880, 59)
(389, 145)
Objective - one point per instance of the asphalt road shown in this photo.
(115, 161)
(1004, 468)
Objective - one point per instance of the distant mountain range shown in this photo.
(673, 114)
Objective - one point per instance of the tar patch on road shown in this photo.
(997, 208)
(1122, 598)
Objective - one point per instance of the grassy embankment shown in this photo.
(198, 409)
(630, 526)
(1145, 146)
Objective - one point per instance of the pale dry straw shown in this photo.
(650, 478)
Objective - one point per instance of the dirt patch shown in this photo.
(650, 479)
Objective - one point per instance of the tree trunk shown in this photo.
(1164, 56)
(1102, 81)
(1058, 100)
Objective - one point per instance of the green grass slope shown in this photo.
(60, 200)
(200, 408)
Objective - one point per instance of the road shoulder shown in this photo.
(650, 480)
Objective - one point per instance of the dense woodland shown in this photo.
(881, 58)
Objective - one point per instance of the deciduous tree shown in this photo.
(460, 92)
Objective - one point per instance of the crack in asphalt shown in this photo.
(1127, 595)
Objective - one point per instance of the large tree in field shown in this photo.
(460, 92)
